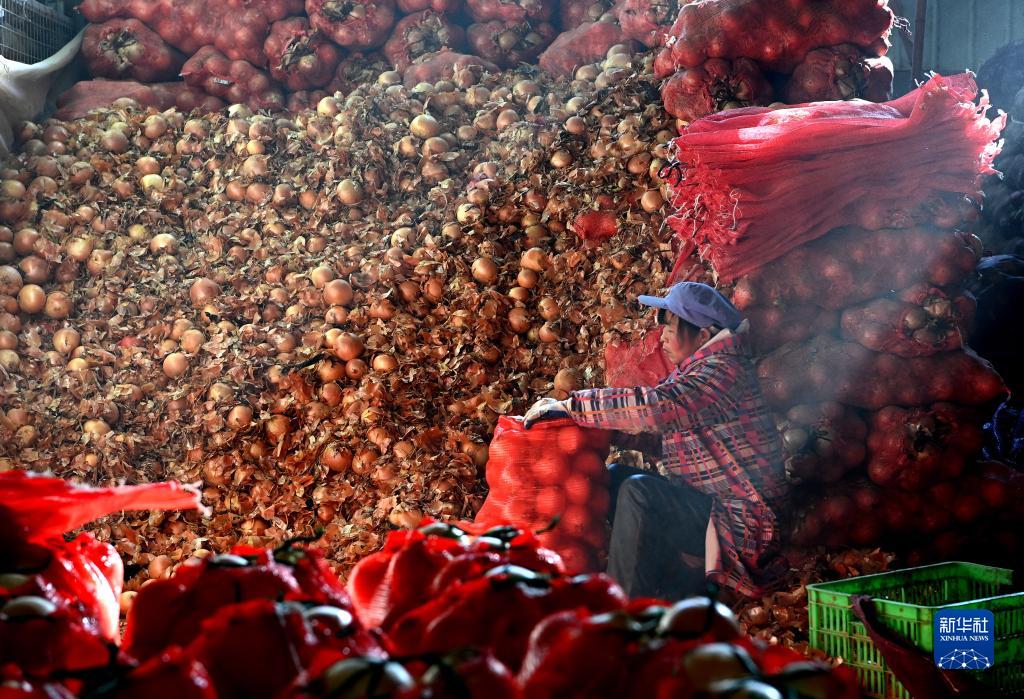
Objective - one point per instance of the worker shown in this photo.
(712, 520)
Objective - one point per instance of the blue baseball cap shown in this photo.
(698, 304)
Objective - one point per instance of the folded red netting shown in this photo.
(752, 184)
(45, 507)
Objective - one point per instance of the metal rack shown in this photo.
(32, 31)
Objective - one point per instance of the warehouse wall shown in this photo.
(959, 34)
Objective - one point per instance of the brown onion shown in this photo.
(519, 320)
(567, 380)
(485, 270)
(192, 340)
(31, 298)
(220, 392)
(10, 280)
(277, 428)
(96, 428)
(336, 458)
(347, 347)
(527, 278)
(58, 305)
(8, 340)
(66, 340)
(355, 369)
(203, 291)
(329, 370)
(175, 364)
(364, 460)
(384, 363)
(240, 417)
(548, 308)
(338, 292)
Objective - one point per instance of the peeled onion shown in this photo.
(277, 428)
(527, 278)
(384, 363)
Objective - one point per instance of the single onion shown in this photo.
(527, 278)
(384, 363)
(336, 458)
(535, 259)
(424, 126)
(240, 417)
(355, 369)
(519, 294)
(8, 340)
(163, 244)
(220, 392)
(277, 428)
(175, 364)
(364, 461)
(10, 280)
(347, 347)
(79, 249)
(31, 298)
(485, 270)
(9, 360)
(548, 308)
(338, 292)
(320, 276)
(519, 320)
(203, 291)
(192, 340)
(96, 427)
(335, 315)
(329, 370)
(567, 380)
(58, 305)
(547, 333)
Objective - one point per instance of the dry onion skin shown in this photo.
(319, 317)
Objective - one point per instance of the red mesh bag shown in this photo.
(774, 325)
(647, 21)
(587, 43)
(776, 34)
(420, 34)
(912, 449)
(417, 565)
(300, 58)
(840, 73)
(126, 48)
(511, 11)
(273, 10)
(852, 265)
(237, 82)
(355, 25)
(573, 13)
(553, 470)
(444, 65)
(753, 184)
(825, 368)
(715, 85)
(641, 363)
(508, 44)
(919, 321)
(823, 441)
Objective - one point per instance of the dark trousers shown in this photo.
(654, 522)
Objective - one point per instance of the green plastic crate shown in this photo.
(907, 601)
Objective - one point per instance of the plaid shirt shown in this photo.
(718, 436)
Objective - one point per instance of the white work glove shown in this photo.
(546, 409)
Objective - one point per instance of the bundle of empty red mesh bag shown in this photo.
(753, 184)
(551, 478)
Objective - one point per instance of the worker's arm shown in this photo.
(701, 396)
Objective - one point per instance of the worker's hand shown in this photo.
(546, 409)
